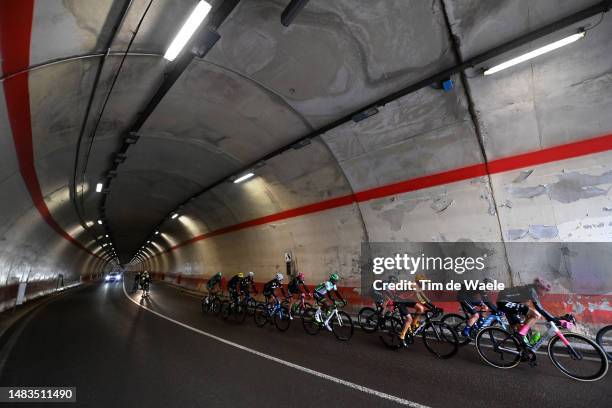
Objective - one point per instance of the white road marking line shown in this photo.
(306, 370)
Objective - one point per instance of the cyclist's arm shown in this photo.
(543, 312)
(337, 293)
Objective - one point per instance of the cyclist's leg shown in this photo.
(420, 310)
(403, 309)
(532, 316)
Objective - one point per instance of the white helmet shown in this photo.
(251, 274)
(279, 277)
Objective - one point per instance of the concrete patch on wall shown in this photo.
(569, 188)
(534, 231)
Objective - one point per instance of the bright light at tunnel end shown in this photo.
(243, 178)
(191, 25)
(535, 53)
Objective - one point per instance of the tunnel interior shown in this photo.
(359, 121)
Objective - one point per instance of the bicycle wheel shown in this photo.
(281, 319)
(215, 306)
(457, 323)
(310, 324)
(251, 305)
(225, 309)
(604, 339)
(581, 359)
(440, 339)
(240, 312)
(391, 329)
(368, 319)
(342, 326)
(498, 347)
(205, 305)
(261, 315)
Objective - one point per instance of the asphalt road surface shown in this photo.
(116, 353)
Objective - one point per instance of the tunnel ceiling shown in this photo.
(261, 87)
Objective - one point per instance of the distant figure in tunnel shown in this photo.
(145, 282)
(136, 282)
(319, 293)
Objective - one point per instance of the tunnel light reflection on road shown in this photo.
(535, 53)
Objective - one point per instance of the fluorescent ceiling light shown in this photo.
(191, 25)
(99, 187)
(535, 53)
(245, 177)
(156, 232)
(100, 222)
(174, 216)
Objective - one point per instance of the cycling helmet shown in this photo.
(279, 277)
(300, 276)
(420, 277)
(392, 278)
(241, 275)
(542, 284)
(334, 277)
(219, 274)
(251, 274)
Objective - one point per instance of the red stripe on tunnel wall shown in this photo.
(15, 34)
(567, 151)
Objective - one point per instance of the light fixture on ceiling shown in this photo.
(196, 17)
(156, 232)
(535, 53)
(99, 187)
(174, 216)
(243, 178)
(100, 222)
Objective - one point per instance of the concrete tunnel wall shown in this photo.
(263, 86)
(551, 102)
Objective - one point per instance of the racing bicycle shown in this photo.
(264, 313)
(439, 338)
(212, 304)
(575, 355)
(340, 322)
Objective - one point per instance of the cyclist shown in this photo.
(270, 288)
(215, 285)
(233, 287)
(247, 284)
(515, 303)
(145, 281)
(474, 303)
(419, 305)
(321, 291)
(136, 281)
(296, 287)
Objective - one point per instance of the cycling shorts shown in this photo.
(403, 307)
